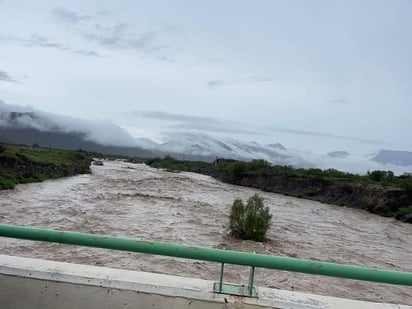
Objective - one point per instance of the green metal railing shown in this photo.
(212, 255)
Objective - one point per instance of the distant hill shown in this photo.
(403, 158)
(198, 144)
(31, 128)
(69, 141)
(25, 125)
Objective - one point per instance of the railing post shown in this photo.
(251, 279)
(221, 277)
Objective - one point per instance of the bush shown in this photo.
(6, 182)
(404, 214)
(249, 222)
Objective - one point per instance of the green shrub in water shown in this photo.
(250, 221)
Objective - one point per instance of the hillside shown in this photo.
(65, 140)
(19, 164)
(23, 125)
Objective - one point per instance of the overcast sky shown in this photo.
(316, 75)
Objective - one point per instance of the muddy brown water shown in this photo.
(134, 200)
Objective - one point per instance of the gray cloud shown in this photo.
(5, 77)
(67, 16)
(328, 135)
(119, 37)
(209, 124)
(167, 59)
(41, 41)
(36, 40)
(86, 52)
(216, 83)
(252, 79)
(190, 122)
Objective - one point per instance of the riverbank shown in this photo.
(22, 164)
(137, 201)
(380, 192)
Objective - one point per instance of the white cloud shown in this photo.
(103, 132)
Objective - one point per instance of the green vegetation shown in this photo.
(237, 170)
(405, 214)
(53, 157)
(21, 164)
(234, 171)
(6, 182)
(250, 222)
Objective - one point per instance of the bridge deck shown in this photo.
(35, 283)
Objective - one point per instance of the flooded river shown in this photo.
(134, 200)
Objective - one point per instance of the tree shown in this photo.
(251, 221)
(381, 175)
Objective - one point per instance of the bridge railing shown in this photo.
(252, 260)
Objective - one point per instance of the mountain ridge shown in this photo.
(32, 127)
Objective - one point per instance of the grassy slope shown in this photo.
(20, 164)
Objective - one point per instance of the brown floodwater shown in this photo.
(134, 200)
